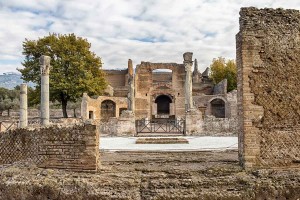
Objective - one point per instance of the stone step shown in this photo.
(162, 140)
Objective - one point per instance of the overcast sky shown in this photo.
(143, 30)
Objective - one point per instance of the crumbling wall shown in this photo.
(221, 88)
(75, 148)
(220, 126)
(268, 60)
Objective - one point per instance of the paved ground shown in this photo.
(195, 144)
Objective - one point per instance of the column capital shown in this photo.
(188, 57)
(45, 65)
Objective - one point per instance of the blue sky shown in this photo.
(143, 30)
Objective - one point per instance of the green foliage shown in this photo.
(74, 68)
(33, 97)
(9, 99)
(221, 69)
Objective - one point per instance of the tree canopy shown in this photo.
(75, 69)
(221, 69)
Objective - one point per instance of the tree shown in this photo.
(221, 69)
(74, 68)
(9, 99)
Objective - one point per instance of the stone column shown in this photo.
(45, 68)
(131, 86)
(188, 62)
(23, 106)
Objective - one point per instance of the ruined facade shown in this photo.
(163, 91)
(268, 87)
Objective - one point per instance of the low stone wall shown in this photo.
(34, 113)
(75, 148)
(33, 123)
(220, 126)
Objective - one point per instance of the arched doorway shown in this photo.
(217, 107)
(163, 104)
(108, 109)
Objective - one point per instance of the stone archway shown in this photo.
(108, 109)
(218, 107)
(163, 104)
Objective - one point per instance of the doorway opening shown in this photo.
(163, 104)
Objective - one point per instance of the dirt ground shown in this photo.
(152, 175)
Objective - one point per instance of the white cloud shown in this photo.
(154, 30)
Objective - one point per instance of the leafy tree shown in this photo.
(74, 68)
(9, 99)
(221, 69)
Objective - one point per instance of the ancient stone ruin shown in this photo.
(51, 162)
(268, 60)
(163, 91)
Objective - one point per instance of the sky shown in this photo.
(142, 30)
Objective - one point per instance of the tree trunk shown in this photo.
(8, 112)
(64, 103)
(74, 110)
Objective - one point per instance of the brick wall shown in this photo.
(75, 148)
(268, 60)
(116, 77)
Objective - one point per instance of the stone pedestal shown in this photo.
(45, 68)
(126, 124)
(23, 106)
(194, 122)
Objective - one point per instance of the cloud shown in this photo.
(153, 30)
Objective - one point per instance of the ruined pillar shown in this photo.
(188, 62)
(196, 73)
(131, 86)
(23, 106)
(45, 67)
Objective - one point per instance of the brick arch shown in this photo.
(107, 109)
(154, 96)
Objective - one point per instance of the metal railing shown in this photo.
(160, 126)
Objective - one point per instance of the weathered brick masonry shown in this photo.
(75, 148)
(268, 60)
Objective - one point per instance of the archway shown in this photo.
(217, 107)
(108, 109)
(163, 104)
